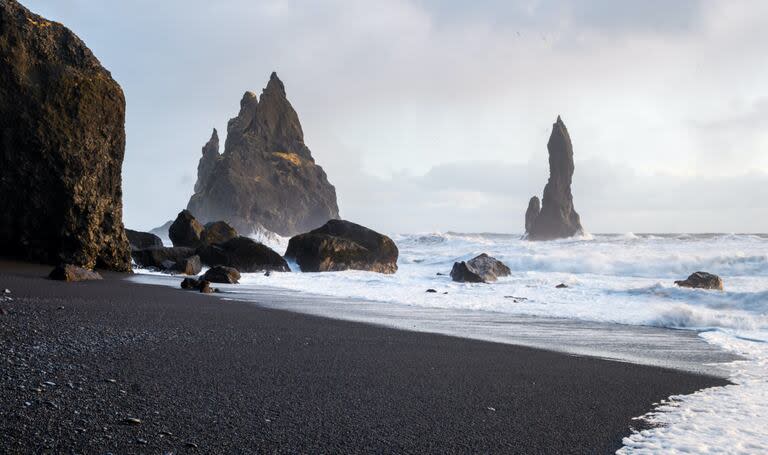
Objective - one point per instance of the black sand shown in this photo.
(235, 378)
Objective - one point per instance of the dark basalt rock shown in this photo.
(480, 269)
(217, 232)
(140, 240)
(534, 208)
(197, 284)
(164, 258)
(221, 274)
(188, 266)
(557, 218)
(562, 286)
(702, 280)
(343, 245)
(62, 141)
(186, 230)
(71, 273)
(266, 178)
(244, 254)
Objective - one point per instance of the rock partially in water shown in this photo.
(266, 179)
(557, 218)
(480, 269)
(221, 274)
(72, 273)
(534, 208)
(244, 254)
(185, 230)
(702, 280)
(343, 245)
(62, 141)
(163, 258)
(140, 240)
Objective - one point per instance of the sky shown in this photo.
(433, 115)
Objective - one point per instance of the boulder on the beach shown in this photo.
(480, 269)
(342, 245)
(244, 254)
(71, 273)
(197, 284)
(62, 142)
(217, 232)
(163, 258)
(188, 266)
(557, 217)
(185, 230)
(222, 274)
(140, 240)
(702, 280)
(266, 179)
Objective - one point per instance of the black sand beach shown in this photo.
(205, 376)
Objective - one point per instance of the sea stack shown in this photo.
(557, 218)
(266, 179)
(62, 140)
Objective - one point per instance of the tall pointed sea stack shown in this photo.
(62, 140)
(557, 218)
(266, 178)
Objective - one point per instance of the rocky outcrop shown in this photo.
(702, 280)
(186, 230)
(245, 255)
(534, 208)
(480, 269)
(221, 274)
(140, 240)
(557, 218)
(342, 245)
(266, 179)
(62, 141)
(188, 266)
(72, 273)
(164, 258)
(208, 161)
(217, 232)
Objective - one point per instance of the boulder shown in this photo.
(62, 141)
(244, 254)
(141, 240)
(217, 232)
(185, 230)
(163, 258)
(69, 272)
(557, 218)
(702, 280)
(481, 269)
(266, 179)
(188, 266)
(221, 274)
(197, 284)
(343, 245)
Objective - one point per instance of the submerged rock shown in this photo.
(140, 240)
(244, 254)
(480, 269)
(221, 274)
(185, 230)
(557, 218)
(266, 179)
(702, 280)
(343, 245)
(71, 273)
(62, 141)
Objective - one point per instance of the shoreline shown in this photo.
(231, 376)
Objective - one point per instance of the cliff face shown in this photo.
(557, 218)
(62, 141)
(266, 177)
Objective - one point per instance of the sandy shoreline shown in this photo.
(231, 377)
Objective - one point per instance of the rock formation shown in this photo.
(186, 230)
(534, 208)
(266, 178)
(72, 273)
(480, 269)
(245, 255)
(557, 218)
(342, 245)
(221, 274)
(140, 240)
(702, 280)
(62, 141)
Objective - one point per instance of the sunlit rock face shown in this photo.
(266, 178)
(62, 141)
(557, 218)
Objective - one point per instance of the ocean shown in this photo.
(621, 302)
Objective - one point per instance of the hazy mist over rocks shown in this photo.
(434, 115)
